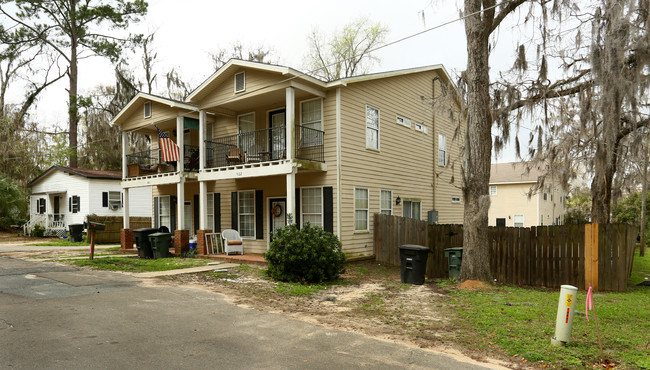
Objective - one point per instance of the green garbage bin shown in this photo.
(141, 237)
(413, 264)
(76, 230)
(454, 261)
(160, 244)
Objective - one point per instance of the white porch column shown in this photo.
(180, 207)
(201, 141)
(290, 115)
(125, 208)
(203, 205)
(125, 147)
(291, 195)
(179, 142)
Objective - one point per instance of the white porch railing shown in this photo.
(37, 219)
(56, 221)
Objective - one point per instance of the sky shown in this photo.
(187, 31)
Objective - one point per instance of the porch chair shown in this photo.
(234, 155)
(232, 241)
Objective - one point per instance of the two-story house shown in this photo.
(259, 142)
(515, 201)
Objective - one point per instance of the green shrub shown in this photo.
(39, 231)
(308, 255)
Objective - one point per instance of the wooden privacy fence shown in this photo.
(550, 256)
(113, 226)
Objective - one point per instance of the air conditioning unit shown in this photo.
(114, 205)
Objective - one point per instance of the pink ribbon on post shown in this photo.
(589, 303)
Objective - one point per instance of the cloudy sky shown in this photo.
(187, 31)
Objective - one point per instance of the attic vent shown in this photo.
(240, 82)
(147, 109)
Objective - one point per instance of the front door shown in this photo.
(276, 134)
(278, 214)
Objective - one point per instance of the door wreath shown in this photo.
(276, 210)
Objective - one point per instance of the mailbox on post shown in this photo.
(91, 228)
(94, 226)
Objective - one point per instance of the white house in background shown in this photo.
(510, 205)
(61, 196)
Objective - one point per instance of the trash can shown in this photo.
(160, 244)
(75, 232)
(141, 237)
(454, 260)
(413, 265)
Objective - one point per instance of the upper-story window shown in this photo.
(442, 150)
(311, 118)
(493, 190)
(403, 121)
(421, 127)
(240, 82)
(372, 127)
(246, 126)
(147, 109)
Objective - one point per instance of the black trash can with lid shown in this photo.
(76, 230)
(160, 244)
(413, 264)
(141, 237)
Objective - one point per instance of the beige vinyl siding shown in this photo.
(160, 113)
(512, 199)
(405, 161)
(255, 79)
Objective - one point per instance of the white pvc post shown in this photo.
(564, 319)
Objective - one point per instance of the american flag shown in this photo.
(168, 148)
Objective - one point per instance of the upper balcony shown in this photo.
(149, 162)
(263, 147)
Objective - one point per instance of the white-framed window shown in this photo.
(75, 203)
(493, 191)
(372, 127)
(114, 199)
(311, 204)
(245, 127)
(519, 220)
(210, 211)
(246, 200)
(401, 120)
(240, 82)
(311, 117)
(386, 202)
(421, 127)
(164, 212)
(40, 205)
(361, 209)
(412, 209)
(147, 109)
(442, 150)
(455, 199)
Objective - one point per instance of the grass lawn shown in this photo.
(520, 322)
(137, 264)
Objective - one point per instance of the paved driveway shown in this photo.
(56, 317)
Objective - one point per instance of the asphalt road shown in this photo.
(59, 317)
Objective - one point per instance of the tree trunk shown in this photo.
(476, 261)
(73, 104)
(644, 197)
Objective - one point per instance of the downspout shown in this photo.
(433, 140)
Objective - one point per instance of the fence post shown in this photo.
(591, 256)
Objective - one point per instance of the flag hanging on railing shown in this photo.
(169, 151)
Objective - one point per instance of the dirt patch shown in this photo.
(369, 299)
(15, 237)
(472, 285)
